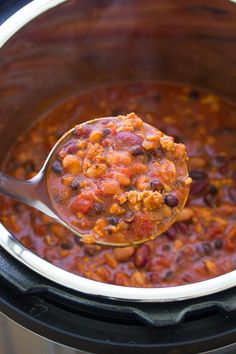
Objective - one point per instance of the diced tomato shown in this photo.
(142, 224)
(83, 203)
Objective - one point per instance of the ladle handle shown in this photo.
(23, 191)
(30, 192)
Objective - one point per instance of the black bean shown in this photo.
(166, 247)
(157, 152)
(213, 190)
(218, 244)
(156, 185)
(171, 200)
(57, 168)
(77, 240)
(197, 174)
(75, 185)
(130, 188)
(108, 229)
(66, 245)
(219, 160)
(168, 275)
(209, 200)
(97, 209)
(207, 248)
(129, 216)
(177, 139)
(29, 166)
(113, 220)
(106, 132)
(194, 94)
(232, 194)
(137, 151)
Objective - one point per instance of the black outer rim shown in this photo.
(81, 322)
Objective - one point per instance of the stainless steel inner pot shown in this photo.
(52, 48)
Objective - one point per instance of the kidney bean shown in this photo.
(137, 151)
(198, 187)
(153, 277)
(224, 169)
(182, 227)
(156, 185)
(70, 148)
(171, 233)
(187, 278)
(218, 244)
(197, 174)
(82, 131)
(127, 139)
(141, 256)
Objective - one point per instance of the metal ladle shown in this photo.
(34, 192)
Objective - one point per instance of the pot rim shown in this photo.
(76, 282)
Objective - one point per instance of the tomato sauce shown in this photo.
(202, 242)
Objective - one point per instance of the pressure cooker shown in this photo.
(48, 49)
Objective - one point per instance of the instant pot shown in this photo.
(51, 49)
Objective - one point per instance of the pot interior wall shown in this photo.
(80, 45)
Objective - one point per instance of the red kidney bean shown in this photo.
(127, 139)
(182, 227)
(224, 169)
(82, 131)
(141, 256)
(197, 174)
(137, 151)
(187, 278)
(153, 277)
(198, 187)
(171, 233)
(156, 185)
